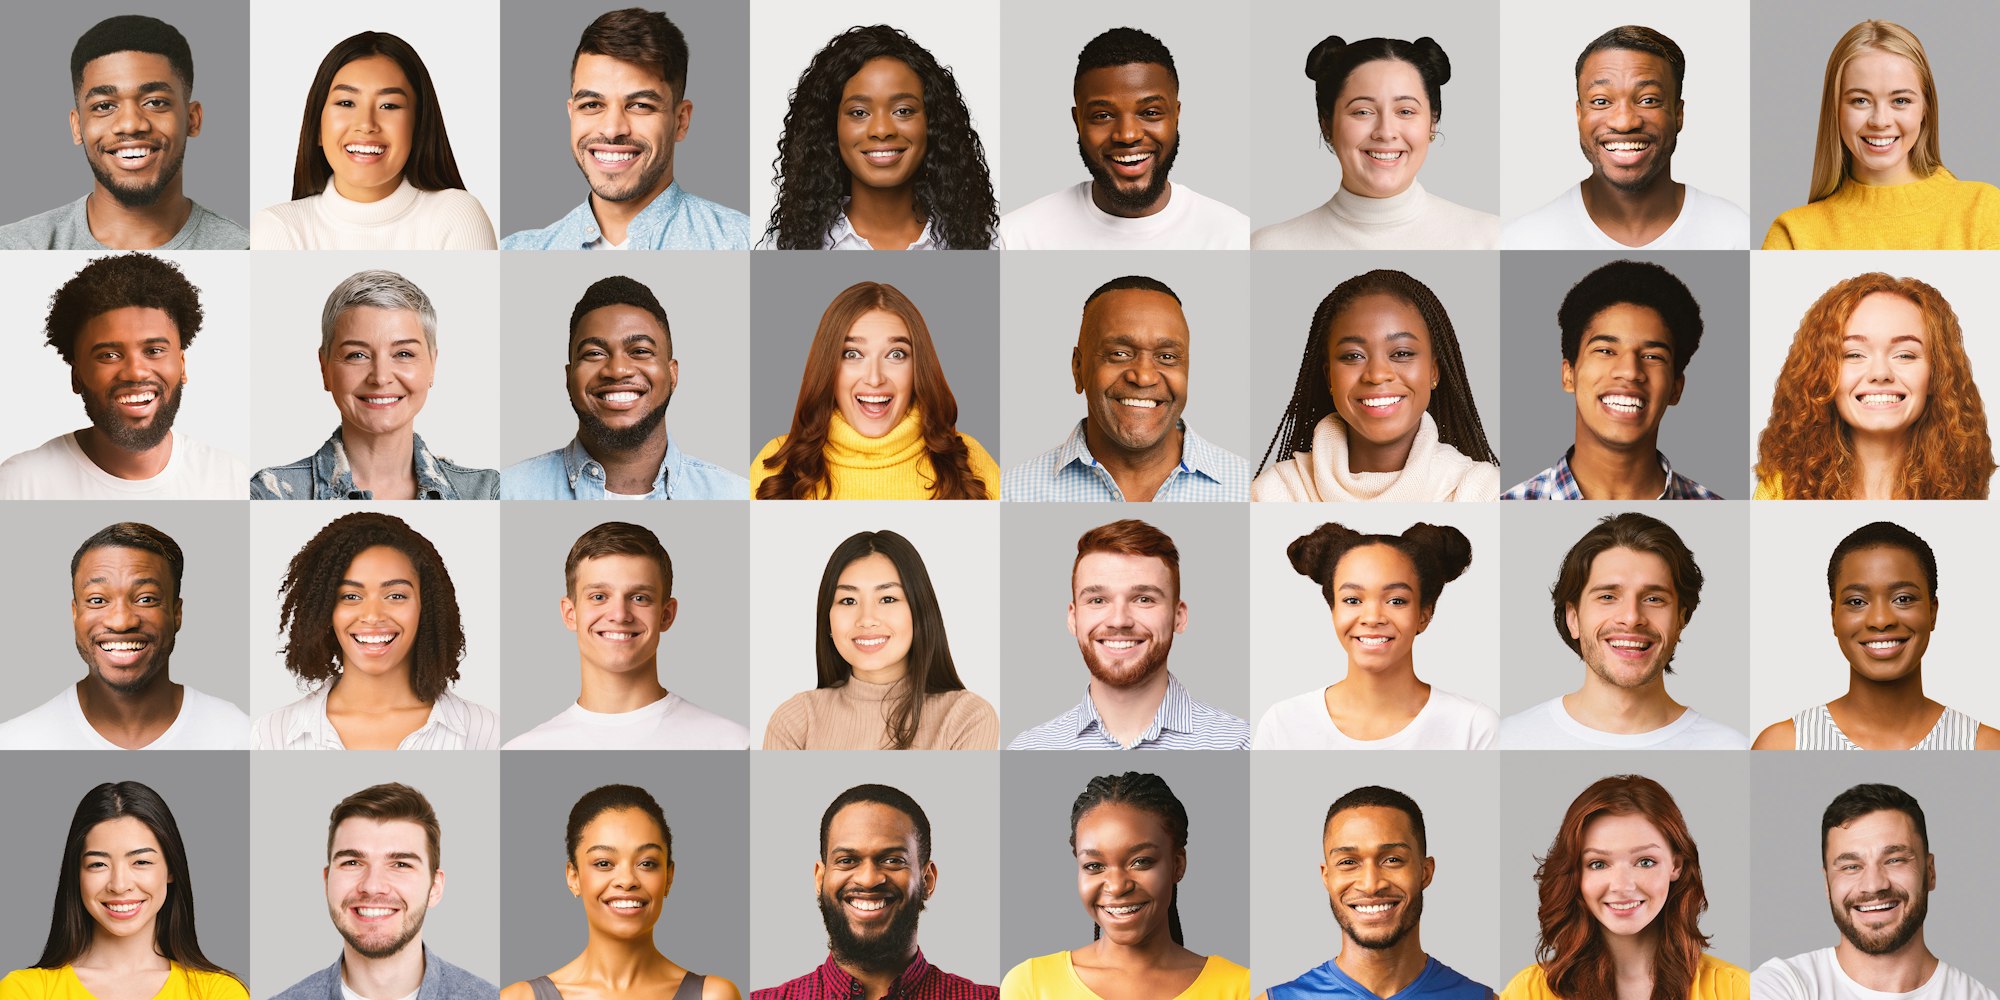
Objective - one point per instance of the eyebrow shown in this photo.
(1644, 588)
(900, 338)
(1604, 81)
(394, 343)
(386, 583)
(1635, 850)
(148, 342)
(1371, 97)
(352, 89)
(1145, 845)
(1606, 338)
(1098, 588)
(111, 89)
(1896, 339)
(1109, 103)
(1862, 588)
(903, 96)
(147, 581)
(1866, 91)
(608, 849)
(1132, 340)
(1354, 849)
(879, 586)
(1358, 339)
(1891, 849)
(1386, 586)
(648, 93)
(131, 853)
(349, 852)
(607, 585)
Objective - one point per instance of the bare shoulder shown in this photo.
(1988, 739)
(718, 988)
(518, 991)
(1780, 735)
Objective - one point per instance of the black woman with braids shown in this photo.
(879, 153)
(1382, 409)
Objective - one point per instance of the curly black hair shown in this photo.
(953, 185)
(312, 585)
(1638, 283)
(116, 282)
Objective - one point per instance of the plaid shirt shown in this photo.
(1070, 474)
(920, 981)
(1557, 483)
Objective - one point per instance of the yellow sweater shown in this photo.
(891, 467)
(1714, 979)
(1939, 212)
(61, 984)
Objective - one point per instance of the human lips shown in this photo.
(122, 909)
(620, 396)
(365, 153)
(1630, 645)
(1122, 912)
(1379, 402)
(1131, 164)
(869, 642)
(1877, 908)
(370, 913)
(1386, 157)
(133, 155)
(1119, 645)
(1372, 640)
(373, 641)
(1626, 150)
(1625, 909)
(123, 650)
(884, 156)
(1880, 143)
(1884, 647)
(627, 905)
(379, 400)
(869, 905)
(1623, 404)
(1880, 399)
(613, 157)
(1373, 908)
(136, 400)
(874, 405)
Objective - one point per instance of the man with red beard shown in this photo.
(1879, 876)
(1125, 608)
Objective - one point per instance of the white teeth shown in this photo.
(618, 636)
(871, 643)
(1876, 907)
(1122, 911)
(620, 397)
(1381, 400)
(380, 400)
(361, 150)
(604, 157)
(134, 153)
(137, 397)
(1371, 640)
(1131, 158)
(868, 905)
(1621, 907)
(1373, 908)
(1627, 405)
(874, 400)
(1879, 142)
(1874, 398)
(1121, 643)
(122, 907)
(1625, 147)
(627, 904)
(373, 912)
(1629, 644)
(1883, 643)
(121, 646)
(1385, 156)
(884, 155)
(374, 640)
(1143, 404)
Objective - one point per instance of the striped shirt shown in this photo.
(1557, 483)
(1069, 474)
(920, 981)
(454, 724)
(1181, 723)
(1814, 729)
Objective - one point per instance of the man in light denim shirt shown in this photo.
(622, 375)
(627, 108)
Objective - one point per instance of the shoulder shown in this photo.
(482, 724)
(1528, 984)
(272, 729)
(208, 709)
(758, 470)
(1794, 228)
(1210, 721)
(1780, 735)
(725, 228)
(210, 230)
(464, 221)
(970, 723)
(1020, 980)
(32, 984)
(457, 982)
(313, 987)
(549, 734)
(1715, 979)
(38, 232)
(787, 729)
(708, 481)
(517, 991)
(1771, 487)
(718, 988)
(469, 482)
(1988, 738)
(1553, 226)
(553, 236)
(1714, 210)
(280, 227)
(1220, 968)
(1315, 230)
(982, 464)
(1028, 227)
(1281, 482)
(1212, 209)
(203, 985)
(1705, 733)
(1058, 733)
(709, 730)
(291, 481)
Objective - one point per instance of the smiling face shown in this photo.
(380, 884)
(881, 126)
(621, 873)
(1879, 877)
(367, 126)
(1885, 367)
(870, 619)
(872, 885)
(1883, 613)
(1380, 369)
(621, 376)
(1628, 117)
(1124, 612)
(129, 369)
(133, 119)
(618, 611)
(1627, 872)
(876, 381)
(126, 615)
(1375, 610)
(623, 124)
(1128, 130)
(1381, 128)
(1127, 867)
(1131, 365)
(1630, 618)
(1375, 874)
(124, 881)
(378, 368)
(376, 610)
(1881, 116)
(1623, 378)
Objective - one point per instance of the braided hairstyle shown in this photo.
(1146, 792)
(1440, 554)
(312, 586)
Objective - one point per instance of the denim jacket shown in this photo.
(442, 981)
(327, 476)
(675, 220)
(569, 473)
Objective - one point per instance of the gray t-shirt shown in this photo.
(68, 228)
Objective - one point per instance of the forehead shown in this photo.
(381, 562)
(130, 324)
(617, 322)
(1886, 314)
(1624, 67)
(620, 570)
(369, 836)
(1110, 825)
(1383, 78)
(1366, 826)
(1128, 83)
(1629, 321)
(1873, 831)
(1612, 833)
(882, 76)
(878, 325)
(869, 824)
(1116, 570)
(1375, 561)
(119, 834)
(1877, 69)
(869, 570)
(1135, 312)
(1630, 568)
(611, 75)
(372, 73)
(1379, 314)
(626, 827)
(1879, 564)
(377, 322)
(128, 69)
(114, 560)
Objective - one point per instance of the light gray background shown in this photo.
(706, 296)
(537, 41)
(702, 656)
(1048, 676)
(1460, 796)
(1294, 644)
(209, 651)
(1212, 55)
(1710, 673)
(295, 793)
(706, 797)
(41, 405)
(206, 789)
(1788, 284)
(1713, 800)
(1289, 288)
(1044, 295)
(1538, 145)
(1793, 45)
(964, 37)
(1695, 434)
(460, 45)
(959, 793)
(1798, 661)
(1042, 912)
(789, 546)
(47, 170)
(295, 413)
(958, 295)
(464, 534)
(1295, 173)
(1793, 790)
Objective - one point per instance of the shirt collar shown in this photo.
(644, 227)
(836, 979)
(843, 237)
(1567, 489)
(578, 462)
(431, 986)
(330, 467)
(1175, 713)
(1197, 455)
(310, 723)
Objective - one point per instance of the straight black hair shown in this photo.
(929, 666)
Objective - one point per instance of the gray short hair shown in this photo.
(381, 290)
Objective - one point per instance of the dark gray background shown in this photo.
(1701, 436)
(706, 798)
(46, 170)
(537, 40)
(206, 789)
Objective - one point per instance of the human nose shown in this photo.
(1623, 116)
(120, 616)
(130, 119)
(1879, 616)
(1377, 369)
(1125, 129)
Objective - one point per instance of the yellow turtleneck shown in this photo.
(891, 467)
(1939, 212)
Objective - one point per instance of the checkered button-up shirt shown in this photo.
(1557, 483)
(1068, 473)
(920, 981)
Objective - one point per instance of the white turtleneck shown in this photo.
(1413, 220)
(408, 219)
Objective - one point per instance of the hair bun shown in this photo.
(1308, 552)
(1323, 55)
(1446, 544)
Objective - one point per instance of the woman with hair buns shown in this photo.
(1383, 590)
(1379, 103)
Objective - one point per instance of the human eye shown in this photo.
(844, 601)
(1143, 599)
(1855, 603)
(354, 356)
(1599, 101)
(1167, 358)
(856, 113)
(844, 861)
(1857, 102)
(1142, 862)
(103, 107)
(1402, 354)
(1398, 601)
(850, 355)
(1655, 599)
(890, 599)
(649, 864)
(1350, 599)
(899, 354)
(158, 103)
(1903, 102)
(1646, 863)
(1349, 356)
(148, 600)
(343, 102)
(1093, 867)
(1118, 354)
(908, 111)
(1362, 112)
(1594, 865)
(642, 107)
(406, 354)
(390, 106)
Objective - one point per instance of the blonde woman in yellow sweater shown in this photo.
(875, 418)
(1877, 182)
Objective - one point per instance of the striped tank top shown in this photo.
(1814, 729)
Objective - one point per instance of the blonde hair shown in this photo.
(1832, 163)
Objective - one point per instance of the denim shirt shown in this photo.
(675, 220)
(327, 476)
(442, 981)
(569, 473)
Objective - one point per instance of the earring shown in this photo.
(1436, 135)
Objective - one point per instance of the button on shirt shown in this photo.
(1181, 723)
(675, 220)
(569, 473)
(326, 475)
(1070, 474)
(920, 981)
(1557, 483)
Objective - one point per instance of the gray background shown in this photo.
(209, 651)
(1294, 645)
(1696, 435)
(959, 793)
(1211, 54)
(1295, 173)
(957, 294)
(706, 296)
(295, 793)
(1788, 73)
(1041, 911)
(206, 789)
(538, 39)
(1460, 796)
(47, 171)
(1710, 673)
(1793, 790)
(1713, 800)
(1288, 289)
(701, 656)
(1044, 295)
(1049, 675)
(294, 411)
(789, 549)
(706, 798)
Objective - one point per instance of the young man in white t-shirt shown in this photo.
(619, 601)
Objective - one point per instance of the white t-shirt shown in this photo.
(1446, 722)
(1817, 975)
(59, 470)
(1549, 726)
(672, 723)
(1705, 223)
(1069, 220)
(205, 723)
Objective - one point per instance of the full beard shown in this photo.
(886, 951)
(1888, 939)
(413, 925)
(624, 438)
(636, 185)
(156, 667)
(1413, 911)
(1157, 648)
(1131, 201)
(139, 197)
(126, 437)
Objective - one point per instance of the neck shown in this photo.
(133, 719)
(620, 964)
(887, 675)
(1146, 954)
(1632, 954)
(613, 692)
(1128, 711)
(1364, 455)
(634, 470)
(1139, 474)
(1659, 201)
(384, 464)
(355, 691)
(390, 978)
(125, 464)
(132, 953)
(1387, 687)
(136, 227)
(1384, 971)
(1109, 207)
(887, 218)
(1608, 708)
(1899, 698)
(1608, 472)
(876, 981)
(1878, 464)
(1900, 971)
(615, 217)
